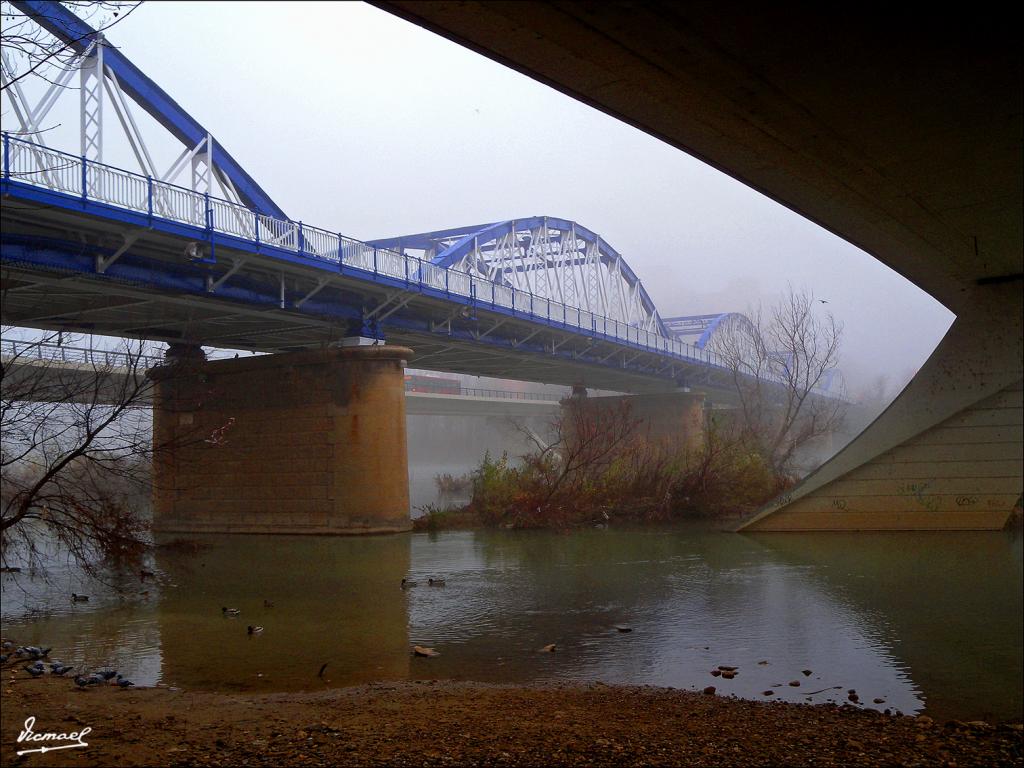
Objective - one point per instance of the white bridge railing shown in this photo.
(28, 163)
(100, 358)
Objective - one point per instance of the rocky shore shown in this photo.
(451, 723)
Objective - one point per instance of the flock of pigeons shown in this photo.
(37, 667)
(36, 655)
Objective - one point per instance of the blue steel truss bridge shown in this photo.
(98, 249)
(212, 260)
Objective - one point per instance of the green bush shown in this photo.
(436, 518)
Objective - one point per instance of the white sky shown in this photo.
(356, 121)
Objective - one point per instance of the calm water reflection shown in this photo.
(917, 620)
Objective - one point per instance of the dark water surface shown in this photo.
(923, 621)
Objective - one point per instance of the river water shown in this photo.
(925, 622)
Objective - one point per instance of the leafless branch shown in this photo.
(76, 453)
(34, 48)
(779, 361)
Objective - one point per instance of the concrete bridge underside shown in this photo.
(898, 131)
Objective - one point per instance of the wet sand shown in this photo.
(451, 723)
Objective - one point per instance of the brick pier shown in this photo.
(305, 442)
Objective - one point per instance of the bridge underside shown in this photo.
(899, 131)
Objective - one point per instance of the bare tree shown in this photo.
(600, 464)
(75, 452)
(31, 50)
(589, 440)
(784, 364)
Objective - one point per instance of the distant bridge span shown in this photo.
(76, 374)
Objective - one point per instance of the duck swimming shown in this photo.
(79, 598)
(435, 582)
(230, 611)
(254, 630)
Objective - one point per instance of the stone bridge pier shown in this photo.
(675, 420)
(310, 442)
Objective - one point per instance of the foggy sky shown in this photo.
(358, 122)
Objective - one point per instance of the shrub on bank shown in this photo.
(445, 519)
(727, 476)
(602, 469)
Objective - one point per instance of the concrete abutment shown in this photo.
(310, 442)
(946, 454)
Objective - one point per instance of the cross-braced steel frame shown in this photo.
(546, 256)
(109, 83)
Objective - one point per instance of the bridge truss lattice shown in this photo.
(552, 258)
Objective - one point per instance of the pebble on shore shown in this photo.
(477, 724)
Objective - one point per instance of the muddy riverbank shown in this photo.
(436, 723)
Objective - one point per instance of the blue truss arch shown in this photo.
(129, 79)
(548, 256)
